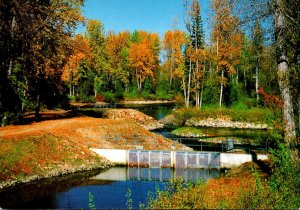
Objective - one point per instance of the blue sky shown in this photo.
(149, 15)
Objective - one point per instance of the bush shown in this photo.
(109, 97)
(8, 118)
(85, 99)
(99, 98)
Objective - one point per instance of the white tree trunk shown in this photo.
(184, 89)
(283, 75)
(187, 103)
(256, 81)
(221, 89)
(201, 96)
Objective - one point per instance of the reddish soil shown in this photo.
(90, 131)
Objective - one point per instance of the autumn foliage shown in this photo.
(143, 56)
(270, 100)
(80, 51)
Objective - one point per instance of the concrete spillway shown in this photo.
(176, 159)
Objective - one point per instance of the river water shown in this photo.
(118, 187)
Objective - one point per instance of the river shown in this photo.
(118, 187)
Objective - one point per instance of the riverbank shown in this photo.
(60, 144)
(127, 102)
(146, 102)
(239, 188)
(217, 118)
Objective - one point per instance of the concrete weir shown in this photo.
(176, 159)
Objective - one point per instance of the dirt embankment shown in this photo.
(61, 145)
(145, 121)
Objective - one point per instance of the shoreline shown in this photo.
(133, 102)
(61, 171)
(146, 102)
(170, 120)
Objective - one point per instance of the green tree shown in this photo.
(99, 64)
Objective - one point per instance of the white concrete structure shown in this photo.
(227, 160)
(230, 160)
(116, 156)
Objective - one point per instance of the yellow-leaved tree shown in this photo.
(143, 56)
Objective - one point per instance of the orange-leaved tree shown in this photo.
(173, 43)
(80, 51)
(227, 41)
(116, 46)
(143, 56)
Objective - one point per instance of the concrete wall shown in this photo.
(116, 156)
(227, 160)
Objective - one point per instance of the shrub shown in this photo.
(85, 99)
(109, 97)
(99, 98)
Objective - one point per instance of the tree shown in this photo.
(284, 19)
(99, 64)
(257, 48)
(172, 43)
(193, 22)
(143, 56)
(116, 46)
(281, 24)
(227, 40)
(37, 34)
(80, 51)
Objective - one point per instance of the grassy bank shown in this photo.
(255, 115)
(188, 132)
(26, 158)
(190, 117)
(35, 155)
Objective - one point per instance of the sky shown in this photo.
(148, 15)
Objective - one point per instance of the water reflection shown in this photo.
(156, 174)
(107, 189)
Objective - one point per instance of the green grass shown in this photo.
(254, 115)
(187, 131)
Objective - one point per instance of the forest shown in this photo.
(249, 56)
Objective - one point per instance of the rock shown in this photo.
(223, 124)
